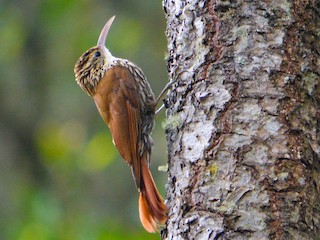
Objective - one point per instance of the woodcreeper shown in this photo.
(127, 104)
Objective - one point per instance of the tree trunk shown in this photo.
(243, 119)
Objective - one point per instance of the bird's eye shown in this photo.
(97, 54)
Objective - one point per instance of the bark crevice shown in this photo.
(244, 158)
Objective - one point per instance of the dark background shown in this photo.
(60, 175)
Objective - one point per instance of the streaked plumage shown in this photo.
(127, 104)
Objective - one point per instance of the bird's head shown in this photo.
(92, 65)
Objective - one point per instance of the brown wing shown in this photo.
(117, 100)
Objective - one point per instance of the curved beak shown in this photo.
(104, 32)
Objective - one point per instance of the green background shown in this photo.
(60, 175)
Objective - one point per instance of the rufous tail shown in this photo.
(152, 210)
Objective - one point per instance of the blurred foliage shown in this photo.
(61, 177)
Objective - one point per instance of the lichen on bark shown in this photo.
(244, 156)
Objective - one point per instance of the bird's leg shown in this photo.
(159, 109)
(164, 90)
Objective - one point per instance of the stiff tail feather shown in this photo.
(152, 210)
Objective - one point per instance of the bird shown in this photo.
(127, 104)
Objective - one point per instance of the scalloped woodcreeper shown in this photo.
(126, 103)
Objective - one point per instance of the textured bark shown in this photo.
(243, 124)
